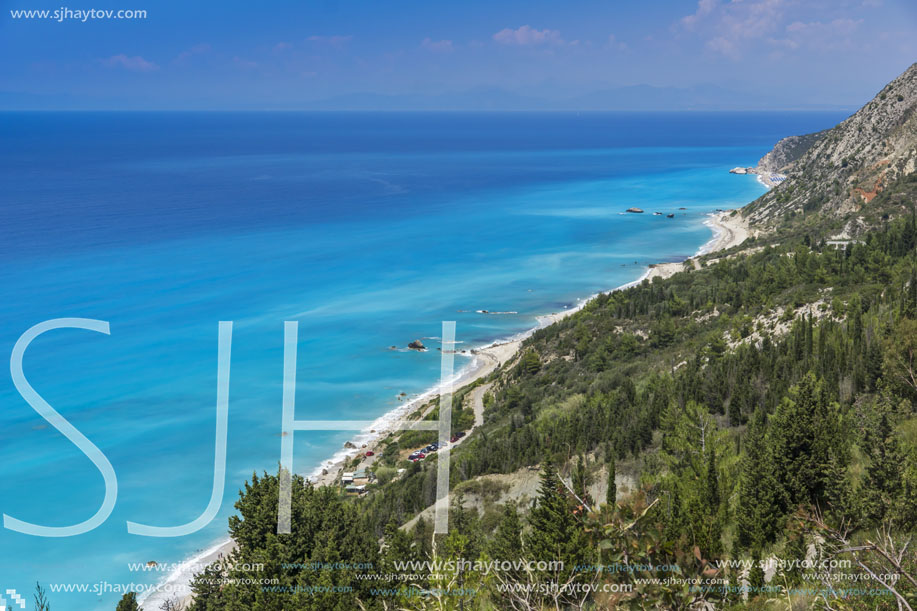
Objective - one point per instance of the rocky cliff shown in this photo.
(787, 151)
(837, 175)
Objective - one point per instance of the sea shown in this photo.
(369, 229)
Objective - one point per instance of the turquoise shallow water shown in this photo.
(367, 229)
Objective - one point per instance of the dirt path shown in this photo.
(477, 402)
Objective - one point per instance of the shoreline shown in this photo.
(767, 179)
(728, 231)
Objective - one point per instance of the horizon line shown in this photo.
(439, 110)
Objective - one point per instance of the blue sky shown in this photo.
(470, 54)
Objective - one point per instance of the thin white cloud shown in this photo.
(437, 46)
(198, 49)
(704, 8)
(614, 43)
(823, 36)
(134, 63)
(834, 27)
(528, 36)
(731, 26)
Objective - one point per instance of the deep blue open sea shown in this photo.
(368, 229)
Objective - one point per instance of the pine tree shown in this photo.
(873, 364)
(580, 479)
(128, 602)
(611, 494)
(758, 508)
(713, 520)
(206, 589)
(506, 545)
(398, 546)
(556, 534)
(41, 599)
(711, 484)
(507, 541)
(806, 446)
(423, 537)
(530, 363)
(756, 574)
(795, 552)
(909, 308)
(905, 508)
(883, 475)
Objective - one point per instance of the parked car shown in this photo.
(370, 453)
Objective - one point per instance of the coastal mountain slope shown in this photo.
(788, 150)
(725, 419)
(835, 176)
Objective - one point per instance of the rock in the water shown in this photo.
(350, 446)
(417, 345)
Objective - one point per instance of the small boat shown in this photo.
(634, 210)
(657, 214)
(670, 216)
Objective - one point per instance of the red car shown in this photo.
(370, 453)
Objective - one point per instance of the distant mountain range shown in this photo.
(635, 97)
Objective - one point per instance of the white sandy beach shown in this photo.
(729, 230)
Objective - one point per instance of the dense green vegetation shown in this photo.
(757, 405)
(801, 200)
